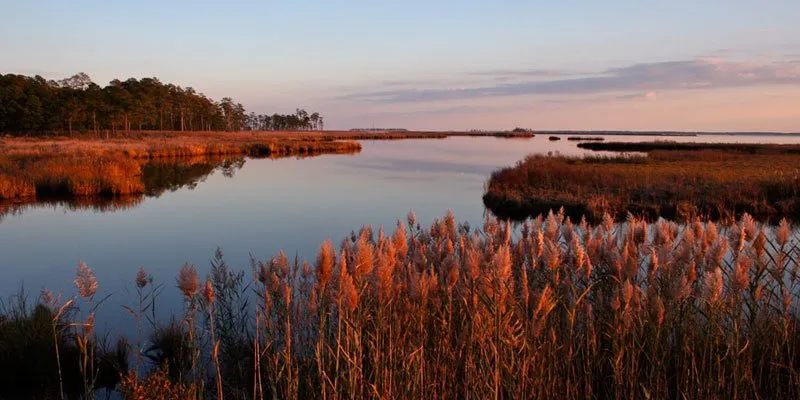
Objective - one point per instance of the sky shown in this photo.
(707, 65)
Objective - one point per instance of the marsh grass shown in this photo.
(751, 148)
(673, 184)
(86, 166)
(586, 138)
(41, 353)
(549, 309)
(28, 177)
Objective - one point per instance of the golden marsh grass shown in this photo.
(552, 309)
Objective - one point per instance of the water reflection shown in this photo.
(93, 204)
(268, 205)
(159, 176)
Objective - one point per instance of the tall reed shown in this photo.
(550, 308)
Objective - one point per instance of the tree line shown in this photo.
(76, 104)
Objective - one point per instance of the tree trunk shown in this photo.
(94, 121)
(182, 123)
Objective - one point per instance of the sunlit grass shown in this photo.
(674, 184)
(551, 310)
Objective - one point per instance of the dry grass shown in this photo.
(92, 166)
(673, 184)
(26, 177)
(586, 138)
(84, 167)
(557, 310)
(760, 148)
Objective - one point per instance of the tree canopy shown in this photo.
(36, 105)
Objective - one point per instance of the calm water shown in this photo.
(266, 206)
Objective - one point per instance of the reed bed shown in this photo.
(752, 148)
(554, 138)
(672, 184)
(152, 143)
(91, 165)
(111, 174)
(28, 177)
(553, 309)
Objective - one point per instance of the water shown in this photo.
(267, 205)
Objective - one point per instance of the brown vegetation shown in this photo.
(752, 148)
(36, 168)
(671, 184)
(586, 138)
(91, 166)
(563, 310)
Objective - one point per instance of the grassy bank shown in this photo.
(42, 168)
(672, 184)
(95, 166)
(156, 176)
(75, 176)
(609, 311)
(586, 138)
(753, 148)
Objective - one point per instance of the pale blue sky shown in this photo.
(440, 64)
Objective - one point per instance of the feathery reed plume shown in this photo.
(539, 247)
(713, 285)
(263, 273)
(626, 292)
(326, 257)
(472, 263)
(741, 276)
(208, 292)
(551, 227)
(142, 279)
(502, 264)
(451, 266)
(412, 219)
(188, 281)
(47, 298)
(85, 281)
(748, 226)
(658, 309)
(364, 258)
(783, 233)
(348, 294)
(384, 268)
(400, 242)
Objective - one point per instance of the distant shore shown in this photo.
(103, 165)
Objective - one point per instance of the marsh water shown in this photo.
(256, 207)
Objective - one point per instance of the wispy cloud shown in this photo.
(700, 73)
(533, 72)
(646, 96)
